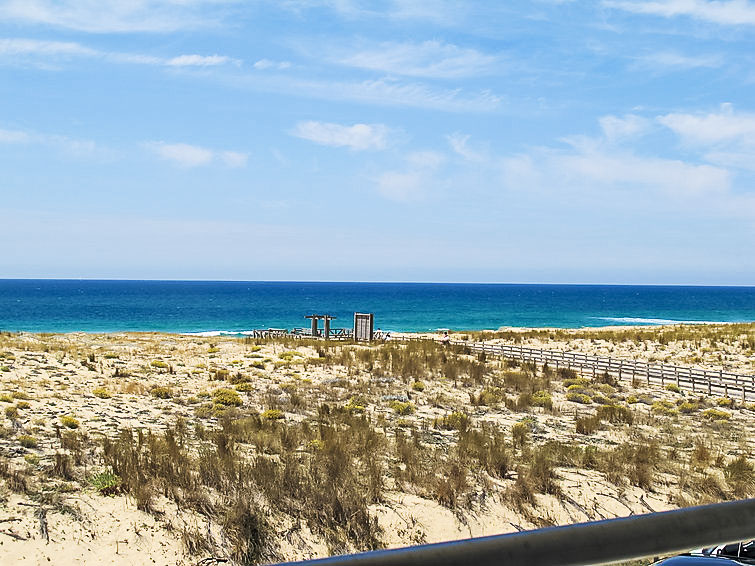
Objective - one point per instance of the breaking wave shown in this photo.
(655, 321)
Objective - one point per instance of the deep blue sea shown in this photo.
(232, 306)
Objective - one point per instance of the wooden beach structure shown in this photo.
(695, 380)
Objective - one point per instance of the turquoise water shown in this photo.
(232, 306)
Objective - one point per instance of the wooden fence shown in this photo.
(695, 380)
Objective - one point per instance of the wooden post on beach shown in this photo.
(315, 320)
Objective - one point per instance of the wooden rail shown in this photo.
(696, 380)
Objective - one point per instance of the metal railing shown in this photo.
(582, 544)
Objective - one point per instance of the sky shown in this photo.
(548, 141)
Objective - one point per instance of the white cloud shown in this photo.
(460, 144)
(430, 59)
(72, 146)
(401, 186)
(724, 126)
(671, 60)
(396, 93)
(358, 137)
(16, 47)
(726, 12)
(263, 64)
(200, 61)
(596, 167)
(187, 155)
(43, 51)
(726, 138)
(616, 128)
(628, 170)
(14, 137)
(234, 158)
(415, 181)
(106, 16)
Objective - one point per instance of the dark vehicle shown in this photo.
(735, 554)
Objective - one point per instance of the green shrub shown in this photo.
(402, 408)
(27, 441)
(226, 397)
(356, 404)
(69, 422)
(101, 392)
(453, 421)
(665, 407)
(418, 386)
(21, 395)
(673, 387)
(632, 400)
(716, 415)
(272, 415)
(688, 407)
(5, 398)
(578, 398)
(579, 381)
(11, 412)
(205, 411)
(23, 405)
(245, 387)
(106, 483)
(542, 399)
(724, 402)
(4, 368)
(159, 364)
(161, 392)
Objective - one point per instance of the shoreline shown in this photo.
(521, 329)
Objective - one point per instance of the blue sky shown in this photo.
(604, 141)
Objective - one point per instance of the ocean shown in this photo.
(217, 307)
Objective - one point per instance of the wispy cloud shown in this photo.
(678, 61)
(430, 59)
(186, 155)
(263, 64)
(120, 16)
(592, 164)
(725, 137)
(460, 144)
(15, 47)
(439, 12)
(358, 136)
(725, 12)
(415, 181)
(598, 170)
(617, 128)
(66, 144)
(390, 92)
(715, 127)
(14, 137)
(16, 50)
(200, 61)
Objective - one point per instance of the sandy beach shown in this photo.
(166, 449)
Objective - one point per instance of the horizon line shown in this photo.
(419, 282)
